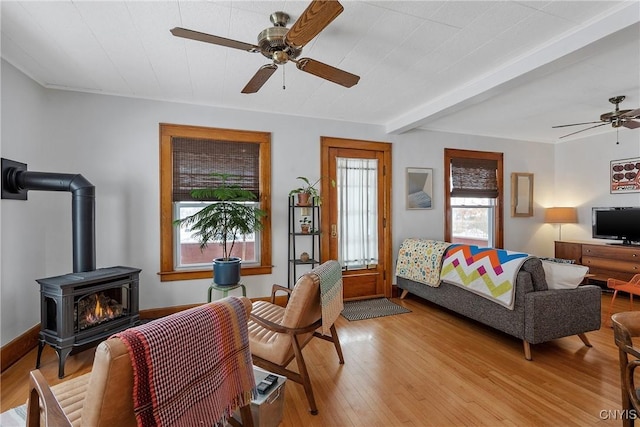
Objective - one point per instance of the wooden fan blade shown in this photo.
(314, 19)
(260, 78)
(208, 38)
(630, 124)
(634, 113)
(575, 124)
(327, 72)
(573, 133)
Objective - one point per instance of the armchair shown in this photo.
(626, 326)
(278, 334)
(193, 379)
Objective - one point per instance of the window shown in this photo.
(357, 193)
(473, 221)
(473, 197)
(188, 155)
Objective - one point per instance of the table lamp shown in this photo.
(561, 216)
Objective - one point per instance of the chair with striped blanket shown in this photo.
(278, 334)
(190, 368)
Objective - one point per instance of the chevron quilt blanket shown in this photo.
(420, 260)
(489, 272)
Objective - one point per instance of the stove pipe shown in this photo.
(82, 205)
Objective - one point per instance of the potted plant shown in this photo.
(308, 193)
(305, 224)
(226, 219)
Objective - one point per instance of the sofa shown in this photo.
(539, 314)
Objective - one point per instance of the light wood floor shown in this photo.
(428, 367)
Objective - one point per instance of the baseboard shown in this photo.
(19, 347)
(154, 313)
(23, 344)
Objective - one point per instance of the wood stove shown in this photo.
(78, 310)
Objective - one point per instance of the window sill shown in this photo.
(168, 276)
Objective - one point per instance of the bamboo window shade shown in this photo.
(474, 177)
(194, 160)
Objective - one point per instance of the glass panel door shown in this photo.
(357, 192)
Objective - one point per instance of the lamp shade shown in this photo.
(561, 215)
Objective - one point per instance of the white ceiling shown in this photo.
(499, 68)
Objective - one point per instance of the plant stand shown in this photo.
(300, 242)
(225, 290)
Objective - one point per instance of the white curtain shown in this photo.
(357, 190)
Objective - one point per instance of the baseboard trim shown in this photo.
(23, 344)
(19, 347)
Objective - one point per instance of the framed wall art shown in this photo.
(521, 194)
(625, 176)
(419, 188)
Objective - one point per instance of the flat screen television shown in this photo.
(617, 224)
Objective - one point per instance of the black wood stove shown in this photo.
(78, 310)
(82, 308)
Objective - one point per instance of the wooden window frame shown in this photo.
(167, 244)
(450, 153)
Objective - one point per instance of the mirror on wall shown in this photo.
(521, 194)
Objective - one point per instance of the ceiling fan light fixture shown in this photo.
(617, 118)
(281, 44)
(271, 40)
(280, 57)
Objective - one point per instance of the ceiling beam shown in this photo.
(523, 67)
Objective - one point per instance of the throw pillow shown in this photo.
(533, 266)
(562, 275)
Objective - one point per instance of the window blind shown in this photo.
(474, 177)
(194, 160)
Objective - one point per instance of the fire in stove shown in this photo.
(97, 308)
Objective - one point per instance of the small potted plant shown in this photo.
(225, 220)
(305, 225)
(308, 194)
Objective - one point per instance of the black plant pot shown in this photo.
(226, 272)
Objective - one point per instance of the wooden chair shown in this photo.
(632, 287)
(278, 334)
(104, 396)
(626, 326)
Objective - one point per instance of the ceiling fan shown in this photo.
(617, 118)
(282, 44)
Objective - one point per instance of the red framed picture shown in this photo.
(625, 175)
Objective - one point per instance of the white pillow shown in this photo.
(563, 276)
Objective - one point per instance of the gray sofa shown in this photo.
(540, 314)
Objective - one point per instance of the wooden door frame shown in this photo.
(326, 143)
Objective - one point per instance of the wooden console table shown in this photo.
(604, 260)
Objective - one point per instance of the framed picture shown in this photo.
(419, 188)
(521, 194)
(625, 176)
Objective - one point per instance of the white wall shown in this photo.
(426, 149)
(582, 177)
(24, 106)
(114, 143)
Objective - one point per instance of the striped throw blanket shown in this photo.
(193, 367)
(330, 275)
(420, 260)
(489, 272)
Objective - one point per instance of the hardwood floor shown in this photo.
(428, 367)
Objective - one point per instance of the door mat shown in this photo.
(371, 308)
